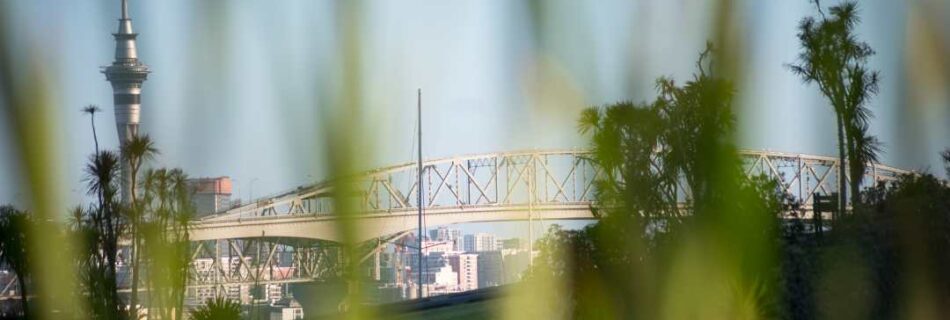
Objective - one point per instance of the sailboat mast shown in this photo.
(419, 184)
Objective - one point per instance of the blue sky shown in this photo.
(238, 87)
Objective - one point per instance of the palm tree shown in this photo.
(13, 233)
(625, 142)
(135, 152)
(217, 309)
(101, 174)
(834, 59)
(76, 215)
(864, 149)
(651, 156)
(646, 150)
(104, 228)
(166, 211)
(91, 110)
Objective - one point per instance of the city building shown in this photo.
(489, 269)
(446, 278)
(273, 292)
(514, 264)
(479, 242)
(467, 271)
(513, 243)
(430, 246)
(390, 292)
(431, 264)
(448, 234)
(210, 195)
(287, 309)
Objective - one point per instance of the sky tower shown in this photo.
(126, 75)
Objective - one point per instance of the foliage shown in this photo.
(135, 153)
(167, 208)
(159, 229)
(569, 256)
(677, 149)
(92, 110)
(99, 228)
(883, 261)
(835, 60)
(654, 154)
(217, 309)
(13, 248)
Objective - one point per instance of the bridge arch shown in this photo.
(548, 184)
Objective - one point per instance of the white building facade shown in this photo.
(468, 272)
(480, 242)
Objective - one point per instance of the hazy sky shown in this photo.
(238, 87)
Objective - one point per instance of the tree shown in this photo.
(670, 177)
(627, 142)
(101, 226)
(699, 131)
(134, 153)
(899, 234)
(14, 226)
(167, 211)
(835, 60)
(91, 110)
(862, 146)
(156, 219)
(863, 150)
(884, 261)
(652, 153)
(217, 309)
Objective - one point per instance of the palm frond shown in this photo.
(102, 172)
(590, 119)
(91, 109)
(139, 148)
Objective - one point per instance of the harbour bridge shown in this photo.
(509, 186)
(552, 185)
(292, 237)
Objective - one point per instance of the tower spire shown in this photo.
(126, 73)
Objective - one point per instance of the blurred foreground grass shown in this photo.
(731, 253)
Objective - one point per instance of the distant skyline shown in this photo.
(238, 87)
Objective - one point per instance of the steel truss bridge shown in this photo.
(512, 186)
(291, 237)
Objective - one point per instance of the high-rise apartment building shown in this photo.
(489, 269)
(210, 195)
(451, 235)
(468, 271)
(480, 242)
